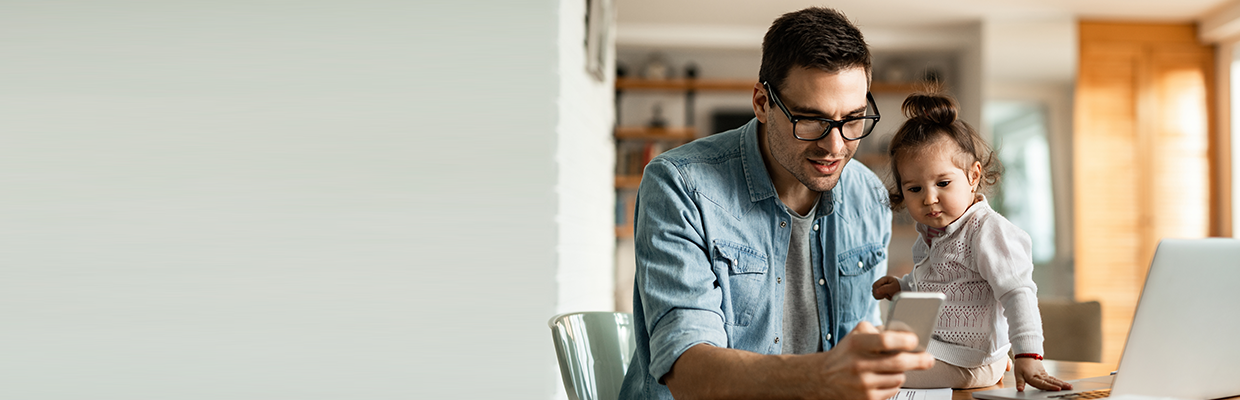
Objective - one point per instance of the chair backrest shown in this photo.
(1072, 331)
(594, 350)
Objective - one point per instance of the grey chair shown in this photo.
(594, 350)
(1072, 331)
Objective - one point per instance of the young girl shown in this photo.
(965, 250)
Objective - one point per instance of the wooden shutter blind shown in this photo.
(1142, 161)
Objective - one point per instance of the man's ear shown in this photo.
(760, 102)
(975, 175)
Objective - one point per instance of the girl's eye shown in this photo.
(914, 189)
(943, 183)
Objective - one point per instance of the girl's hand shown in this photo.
(1030, 370)
(886, 287)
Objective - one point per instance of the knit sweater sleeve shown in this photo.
(1004, 259)
(906, 282)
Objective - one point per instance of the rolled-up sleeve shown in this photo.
(680, 297)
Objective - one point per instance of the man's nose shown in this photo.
(833, 142)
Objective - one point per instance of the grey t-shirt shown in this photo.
(801, 330)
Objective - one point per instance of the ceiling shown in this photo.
(902, 13)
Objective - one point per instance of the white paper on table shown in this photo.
(923, 394)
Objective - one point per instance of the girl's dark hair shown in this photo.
(932, 115)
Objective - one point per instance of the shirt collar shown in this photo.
(756, 177)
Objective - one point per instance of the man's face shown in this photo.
(811, 92)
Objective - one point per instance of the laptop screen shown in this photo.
(1185, 336)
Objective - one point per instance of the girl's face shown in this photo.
(936, 190)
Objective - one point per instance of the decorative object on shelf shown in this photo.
(691, 70)
(622, 70)
(656, 67)
(725, 119)
(657, 120)
(600, 18)
(896, 72)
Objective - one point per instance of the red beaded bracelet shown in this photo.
(1034, 356)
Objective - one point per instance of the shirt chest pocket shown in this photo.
(743, 278)
(858, 269)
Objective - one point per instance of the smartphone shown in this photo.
(915, 312)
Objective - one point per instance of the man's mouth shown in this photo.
(825, 167)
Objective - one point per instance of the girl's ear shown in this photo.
(975, 175)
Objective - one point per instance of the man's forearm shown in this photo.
(866, 364)
(705, 371)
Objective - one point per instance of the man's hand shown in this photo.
(886, 287)
(1030, 370)
(869, 364)
(866, 364)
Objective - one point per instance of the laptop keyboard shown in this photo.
(1092, 394)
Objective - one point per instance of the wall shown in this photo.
(1221, 27)
(268, 200)
(586, 156)
(1228, 128)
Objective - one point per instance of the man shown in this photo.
(756, 247)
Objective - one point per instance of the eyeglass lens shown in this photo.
(813, 129)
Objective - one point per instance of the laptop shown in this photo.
(1185, 337)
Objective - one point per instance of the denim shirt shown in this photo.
(712, 240)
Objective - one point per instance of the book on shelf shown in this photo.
(632, 157)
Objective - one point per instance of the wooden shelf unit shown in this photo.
(684, 84)
(738, 85)
(628, 181)
(646, 133)
(897, 88)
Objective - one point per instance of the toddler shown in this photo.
(966, 250)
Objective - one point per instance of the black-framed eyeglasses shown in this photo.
(812, 129)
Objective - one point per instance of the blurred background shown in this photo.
(381, 199)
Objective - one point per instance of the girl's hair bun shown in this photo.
(930, 107)
(932, 116)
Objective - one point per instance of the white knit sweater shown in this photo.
(983, 263)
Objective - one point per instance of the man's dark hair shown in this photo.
(815, 37)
